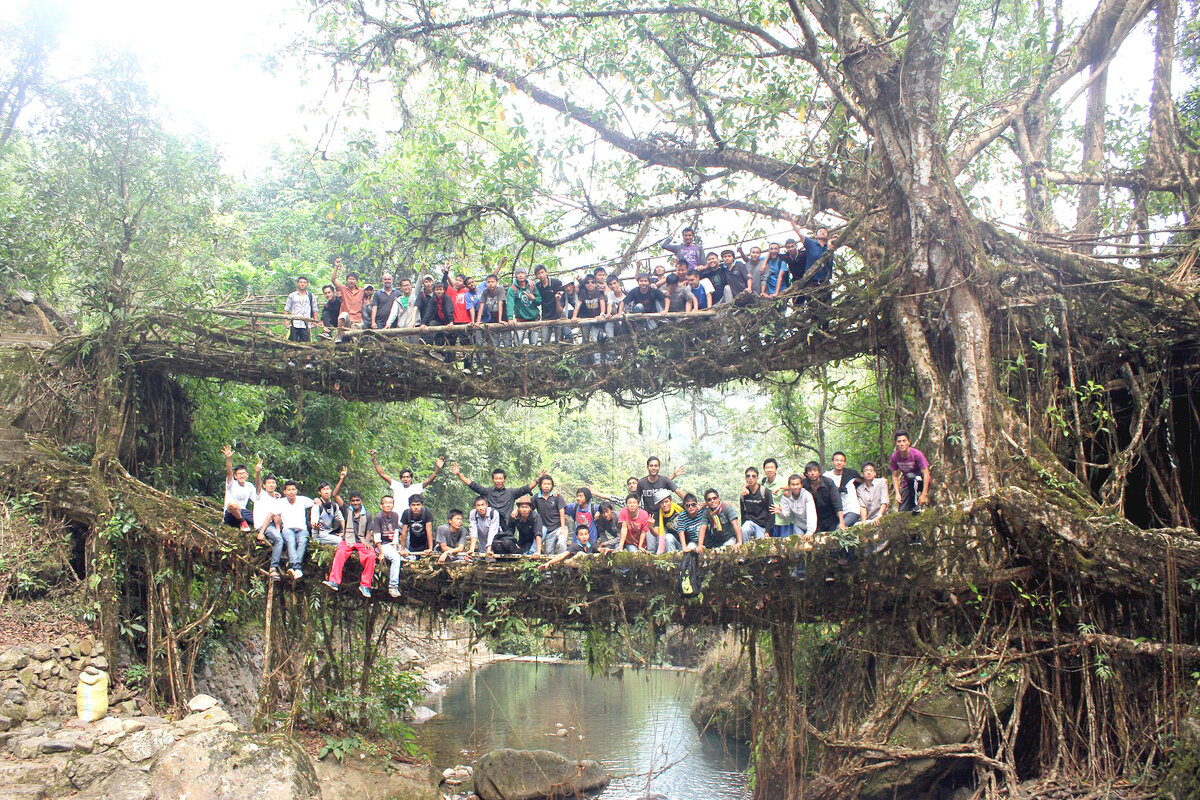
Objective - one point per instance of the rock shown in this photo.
(5, 723)
(86, 646)
(58, 745)
(146, 744)
(28, 747)
(99, 662)
(26, 676)
(70, 741)
(16, 695)
(23, 793)
(409, 656)
(42, 652)
(129, 707)
(422, 714)
(202, 702)
(123, 784)
(76, 649)
(211, 718)
(219, 765)
(375, 780)
(35, 710)
(13, 659)
(535, 774)
(86, 770)
(448, 772)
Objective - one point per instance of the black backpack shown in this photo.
(691, 576)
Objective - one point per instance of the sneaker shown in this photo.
(801, 572)
(332, 586)
(325, 335)
(245, 526)
(394, 591)
(275, 574)
(296, 574)
(829, 577)
(365, 591)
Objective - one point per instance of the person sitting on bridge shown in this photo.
(872, 492)
(615, 297)
(380, 306)
(327, 521)
(356, 538)
(679, 269)
(648, 486)
(756, 268)
(499, 495)
(569, 300)
(352, 295)
(266, 517)
(635, 524)
(663, 536)
(456, 288)
(293, 513)
(386, 526)
(910, 474)
(826, 496)
(453, 540)
(607, 532)
(331, 310)
(720, 523)
(691, 251)
(579, 543)
(238, 493)
(844, 478)
(756, 503)
(408, 485)
(484, 524)
(782, 526)
(691, 524)
(416, 529)
(301, 303)
(795, 505)
(527, 526)
(645, 300)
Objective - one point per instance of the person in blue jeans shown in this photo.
(266, 517)
(293, 514)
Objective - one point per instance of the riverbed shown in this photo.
(635, 723)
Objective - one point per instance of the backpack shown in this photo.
(691, 576)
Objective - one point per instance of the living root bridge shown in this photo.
(683, 352)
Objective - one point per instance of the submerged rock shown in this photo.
(535, 775)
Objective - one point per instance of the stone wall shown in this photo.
(40, 680)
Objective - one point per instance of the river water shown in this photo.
(635, 723)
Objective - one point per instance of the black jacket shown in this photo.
(828, 500)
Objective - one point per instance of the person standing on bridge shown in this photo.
(826, 496)
(499, 496)
(648, 486)
(551, 510)
(796, 507)
(524, 303)
(550, 296)
(301, 303)
(408, 485)
(352, 299)
(381, 304)
(910, 474)
(691, 251)
(844, 477)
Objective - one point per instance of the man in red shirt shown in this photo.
(456, 288)
(352, 299)
(635, 524)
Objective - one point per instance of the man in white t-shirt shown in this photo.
(293, 514)
(238, 493)
(408, 485)
(845, 477)
(266, 516)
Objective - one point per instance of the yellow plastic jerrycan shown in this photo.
(91, 696)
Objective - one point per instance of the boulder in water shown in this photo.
(217, 764)
(535, 775)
